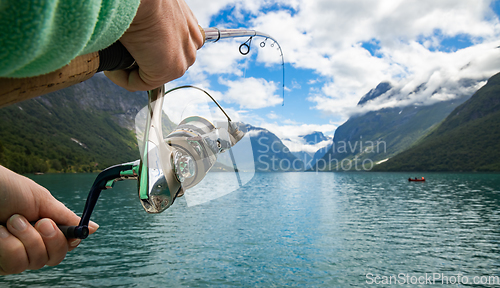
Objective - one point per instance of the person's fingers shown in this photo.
(163, 39)
(73, 243)
(93, 227)
(120, 78)
(50, 207)
(56, 244)
(143, 79)
(34, 246)
(194, 27)
(130, 80)
(15, 195)
(13, 257)
(22, 247)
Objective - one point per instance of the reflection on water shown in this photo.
(215, 185)
(284, 229)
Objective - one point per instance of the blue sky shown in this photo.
(336, 51)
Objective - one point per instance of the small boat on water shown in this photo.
(416, 179)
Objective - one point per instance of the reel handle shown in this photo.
(79, 232)
(102, 182)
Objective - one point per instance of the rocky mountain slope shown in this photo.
(467, 140)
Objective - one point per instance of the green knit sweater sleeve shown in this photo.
(40, 36)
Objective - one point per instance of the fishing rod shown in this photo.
(157, 189)
(115, 57)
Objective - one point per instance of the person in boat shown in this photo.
(38, 37)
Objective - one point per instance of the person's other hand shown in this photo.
(163, 39)
(23, 246)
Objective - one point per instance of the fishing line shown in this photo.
(215, 34)
(245, 49)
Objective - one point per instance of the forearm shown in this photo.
(39, 37)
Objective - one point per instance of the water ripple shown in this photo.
(284, 229)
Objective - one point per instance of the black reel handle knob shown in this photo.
(71, 232)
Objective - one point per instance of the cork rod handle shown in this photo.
(115, 57)
(13, 90)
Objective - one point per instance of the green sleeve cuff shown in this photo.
(40, 36)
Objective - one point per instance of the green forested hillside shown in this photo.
(82, 128)
(388, 131)
(467, 140)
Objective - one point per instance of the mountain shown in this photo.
(467, 140)
(86, 127)
(381, 89)
(365, 140)
(270, 154)
(314, 138)
(91, 126)
(316, 144)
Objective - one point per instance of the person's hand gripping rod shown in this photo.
(115, 57)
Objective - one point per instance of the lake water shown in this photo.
(287, 229)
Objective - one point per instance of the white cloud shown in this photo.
(294, 130)
(220, 58)
(205, 10)
(301, 146)
(251, 93)
(441, 73)
(291, 134)
(327, 36)
(295, 85)
(272, 115)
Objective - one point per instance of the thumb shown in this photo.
(120, 78)
(132, 80)
(50, 207)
